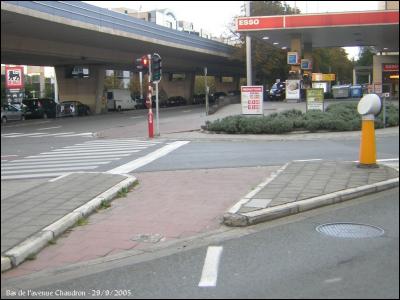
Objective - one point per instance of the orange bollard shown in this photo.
(367, 145)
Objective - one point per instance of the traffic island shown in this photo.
(304, 185)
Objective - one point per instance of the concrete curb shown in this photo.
(38, 241)
(266, 214)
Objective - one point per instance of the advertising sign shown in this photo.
(14, 77)
(390, 67)
(293, 89)
(292, 58)
(252, 100)
(320, 85)
(323, 77)
(306, 64)
(315, 99)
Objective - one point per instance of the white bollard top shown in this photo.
(369, 104)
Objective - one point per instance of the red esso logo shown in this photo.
(249, 22)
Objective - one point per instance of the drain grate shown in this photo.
(350, 230)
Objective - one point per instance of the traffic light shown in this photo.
(142, 64)
(156, 68)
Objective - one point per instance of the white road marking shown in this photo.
(140, 162)
(49, 128)
(84, 154)
(84, 150)
(35, 167)
(59, 177)
(107, 157)
(31, 176)
(49, 170)
(209, 274)
(55, 161)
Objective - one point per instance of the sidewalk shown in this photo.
(34, 216)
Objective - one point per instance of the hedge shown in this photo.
(337, 117)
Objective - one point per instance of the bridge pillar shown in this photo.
(89, 90)
(296, 46)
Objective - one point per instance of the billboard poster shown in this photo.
(14, 77)
(293, 89)
(306, 64)
(292, 58)
(315, 99)
(252, 100)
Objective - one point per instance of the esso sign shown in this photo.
(249, 22)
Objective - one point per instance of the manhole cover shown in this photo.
(350, 230)
(148, 238)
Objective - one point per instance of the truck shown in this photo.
(120, 99)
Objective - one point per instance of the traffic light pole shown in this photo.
(149, 95)
(157, 117)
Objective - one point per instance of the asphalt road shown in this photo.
(286, 258)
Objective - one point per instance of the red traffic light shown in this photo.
(145, 61)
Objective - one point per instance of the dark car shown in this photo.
(176, 101)
(277, 92)
(73, 108)
(199, 99)
(214, 97)
(40, 108)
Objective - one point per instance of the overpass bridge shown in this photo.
(67, 33)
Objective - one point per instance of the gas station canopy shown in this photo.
(368, 28)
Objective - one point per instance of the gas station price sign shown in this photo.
(252, 100)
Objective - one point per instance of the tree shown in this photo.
(333, 60)
(366, 55)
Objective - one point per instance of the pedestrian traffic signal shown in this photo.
(142, 64)
(156, 68)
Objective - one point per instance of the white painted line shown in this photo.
(76, 134)
(92, 150)
(49, 161)
(140, 162)
(210, 269)
(49, 128)
(11, 155)
(100, 147)
(59, 177)
(305, 160)
(84, 154)
(38, 166)
(49, 170)
(137, 117)
(24, 134)
(378, 160)
(107, 157)
(53, 134)
(31, 176)
(124, 140)
(115, 143)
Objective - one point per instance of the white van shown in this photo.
(119, 99)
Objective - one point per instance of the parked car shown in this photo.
(73, 108)
(40, 108)
(277, 92)
(11, 113)
(234, 93)
(214, 97)
(199, 99)
(176, 101)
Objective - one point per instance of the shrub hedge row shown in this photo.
(337, 117)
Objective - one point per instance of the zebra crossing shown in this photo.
(46, 134)
(85, 156)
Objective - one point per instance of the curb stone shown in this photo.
(38, 241)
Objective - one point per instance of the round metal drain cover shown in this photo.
(350, 230)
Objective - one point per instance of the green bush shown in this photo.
(337, 117)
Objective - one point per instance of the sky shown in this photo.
(215, 16)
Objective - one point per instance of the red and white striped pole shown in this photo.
(150, 115)
(150, 119)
